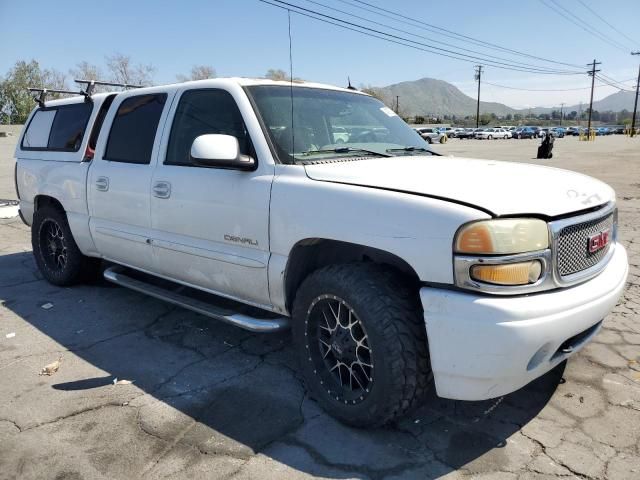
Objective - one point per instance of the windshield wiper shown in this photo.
(412, 149)
(345, 150)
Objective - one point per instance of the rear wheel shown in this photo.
(57, 255)
(361, 342)
(490, 137)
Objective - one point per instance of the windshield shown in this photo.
(329, 124)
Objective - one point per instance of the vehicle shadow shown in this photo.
(228, 392)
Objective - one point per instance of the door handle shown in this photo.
(102, 184)
(161, 189)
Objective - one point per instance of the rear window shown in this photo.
(134, 129)
(59, 129)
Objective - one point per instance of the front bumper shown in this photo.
(485, 346)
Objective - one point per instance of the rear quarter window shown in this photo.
(59, 129)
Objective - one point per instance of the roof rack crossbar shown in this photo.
(92, 83)
(42, 94)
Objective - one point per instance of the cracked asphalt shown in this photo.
(211, 401)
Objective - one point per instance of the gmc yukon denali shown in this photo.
(273, 205)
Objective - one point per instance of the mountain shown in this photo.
(430, 96)
(613, 103)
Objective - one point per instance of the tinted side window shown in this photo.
(38, 130)
(134, 129)
(58, 128)
(69, 125)
(202, 112)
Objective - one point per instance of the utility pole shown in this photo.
(561, 109)
(478, 77)
(593, 81)
(635, 104)
(398, 104)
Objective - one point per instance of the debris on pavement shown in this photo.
(121, 382)
(10, 335)
(46, 306)
(51, 368)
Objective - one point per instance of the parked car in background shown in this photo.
(524, 132)
(559, 132)
(455, 132)
(573, 131)
(504, 133)
(431, 135)
(600, 131)
(465, 133)
(484, 134)
(554, 132)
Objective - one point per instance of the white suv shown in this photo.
(397, 269)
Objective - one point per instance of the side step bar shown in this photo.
(117, 275)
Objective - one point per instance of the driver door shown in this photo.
(210, 225)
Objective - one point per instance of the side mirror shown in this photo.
(222, 151)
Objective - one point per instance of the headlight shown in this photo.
(502, 237)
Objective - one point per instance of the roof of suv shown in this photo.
(243, 82)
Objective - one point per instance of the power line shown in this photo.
(447, 33)
(610, 82)
(538, 90)
(633, 42)
(578, 22)
(329, 7)
(604, 84)
(406, 42)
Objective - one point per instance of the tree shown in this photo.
(88, 71)
(123, 70)
(485, 119)
(15, 100)
(276, 74)
(198, 72)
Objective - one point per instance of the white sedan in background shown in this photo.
(491, 133)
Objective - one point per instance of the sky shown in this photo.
(247, 37)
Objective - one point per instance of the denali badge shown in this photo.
(243, 240)
(598, 241)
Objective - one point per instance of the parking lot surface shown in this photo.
(205, 400)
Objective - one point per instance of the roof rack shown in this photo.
(42, 94)
(91, 85)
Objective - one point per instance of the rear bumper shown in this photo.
(484, 347)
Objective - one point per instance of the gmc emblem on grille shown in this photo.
(598, 241)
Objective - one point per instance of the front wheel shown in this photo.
(490, 137)
(429, 141)
(57, 255)
(361, 342)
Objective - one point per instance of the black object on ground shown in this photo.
(545, 148)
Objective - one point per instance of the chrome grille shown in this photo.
(573, 254)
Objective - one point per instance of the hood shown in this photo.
(499, 188)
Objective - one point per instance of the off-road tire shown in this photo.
(389, 309)
(77, 266)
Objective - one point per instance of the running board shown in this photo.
(117, 275)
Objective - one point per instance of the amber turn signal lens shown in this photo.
(521, 273)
